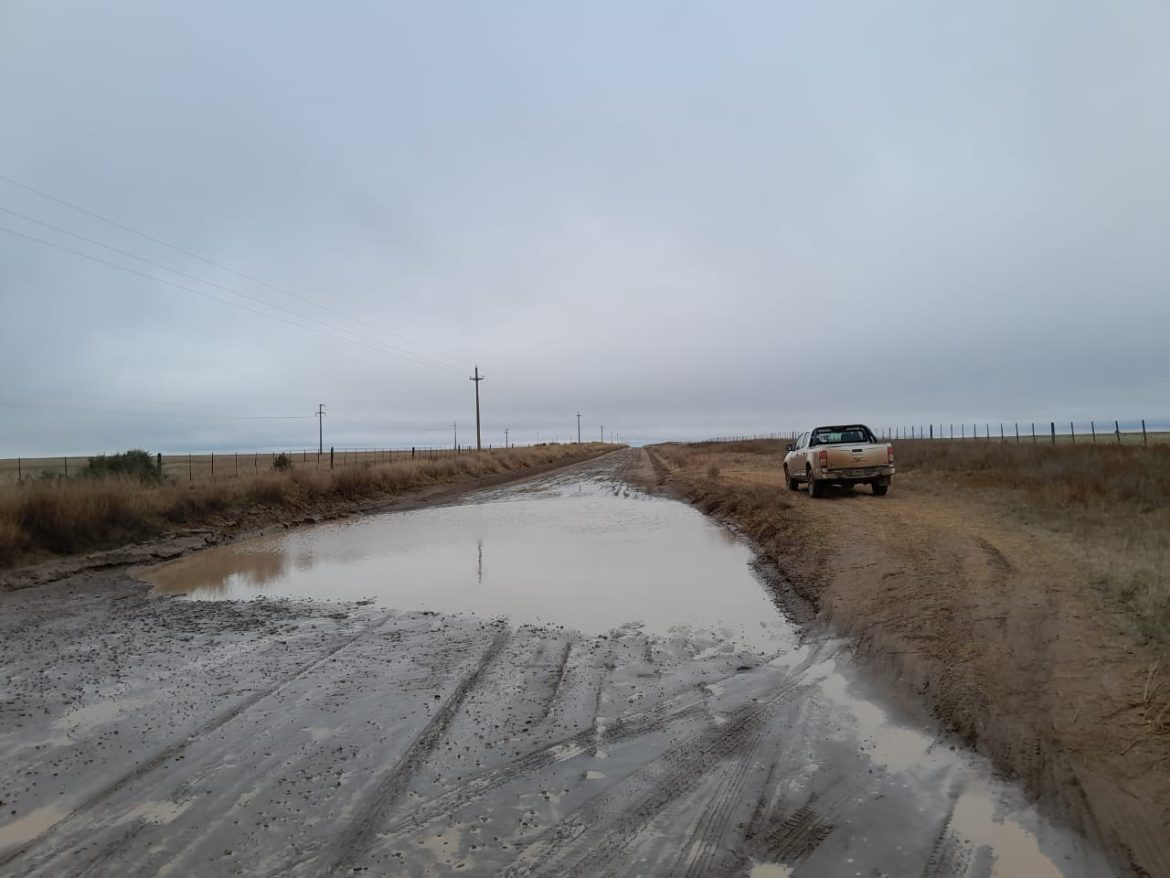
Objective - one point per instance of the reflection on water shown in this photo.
(588, 555)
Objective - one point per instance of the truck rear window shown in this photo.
(841, 436)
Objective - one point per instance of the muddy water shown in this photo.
(588, 554)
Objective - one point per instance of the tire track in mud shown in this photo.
(558, 678)
(683, 708)
(632, 803)
(175, 751)
(354, 841)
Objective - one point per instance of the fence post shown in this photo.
(256, 461)
(931, 436)
(19, 474)
(237, 462)
(1001, 431)
(1033, 432)
(331, 457)
(1117, 431)
(158, 464)
(66, 467)
(213, 466)
(412, 452)
(1072, 431)
(1093, 430)
(1052, 426)
(190, 471)
(1144, 440)
(1017, 432)
(987, 427)
(952, 431)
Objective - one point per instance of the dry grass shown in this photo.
(1113, 501)
(63, 516)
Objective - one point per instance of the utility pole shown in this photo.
(603, 434)
(477, 378)
(578, 428)
(320, 429)
(506, 429)
(455, 433)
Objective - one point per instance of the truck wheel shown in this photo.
(815, 488)
(880, 490)
(793, 484)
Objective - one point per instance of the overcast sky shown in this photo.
(680, 219)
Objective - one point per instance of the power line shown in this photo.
(121, 399)
(417, 357)
(222, 267)
(215, 298)
(145, 414)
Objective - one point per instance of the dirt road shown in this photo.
(145, 734)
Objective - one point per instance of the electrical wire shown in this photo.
(418, 357)
(220, 299)
(223, 267)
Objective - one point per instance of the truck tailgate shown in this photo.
(857, 456)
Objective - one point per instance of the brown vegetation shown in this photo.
(1021, 591)
(64, 516)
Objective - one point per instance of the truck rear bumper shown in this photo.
(854, 474)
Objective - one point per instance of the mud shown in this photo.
(143, 733)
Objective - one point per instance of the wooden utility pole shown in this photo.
(477, 378)
(320, 429)
(578, 428)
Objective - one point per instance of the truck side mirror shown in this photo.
(789, 447)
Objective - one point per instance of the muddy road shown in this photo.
(565, 677)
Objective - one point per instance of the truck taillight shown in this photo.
(823, 459)
(890, 453)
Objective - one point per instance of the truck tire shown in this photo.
(793, 484)
(880, 490)
(815, 488)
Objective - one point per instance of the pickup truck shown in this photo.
(845, 455)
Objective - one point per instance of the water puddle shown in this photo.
(585, 554)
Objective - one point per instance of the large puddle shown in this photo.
(849, 785)
(589, 555)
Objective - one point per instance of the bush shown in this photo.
(282, 462)
(136, 464)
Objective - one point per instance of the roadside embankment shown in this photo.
(41, 521)
(1020, 594)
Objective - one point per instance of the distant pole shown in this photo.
(190, 472)
(1017, 432)
(1144, 440)
(1033, 432)
(477, 378)
(932, 431)
(1052, 427)
(330, 457)
(603, 434)
(1001, 431)
(213, 466)
(952, 431)
(1093, 430)
(1072, 431)
(320, 429)
(20, 476)
(158, 458)
(455, 434)
(237, 455)
(1117, 431)
(506, 429)
(578, 428)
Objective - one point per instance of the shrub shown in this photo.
(282, 462)
(135, 464)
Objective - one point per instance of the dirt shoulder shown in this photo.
(257, 519)
(998, 629)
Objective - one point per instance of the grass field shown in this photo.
(43, 517)
(224, 465)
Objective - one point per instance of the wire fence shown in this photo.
(1136, 432)
(212, 466)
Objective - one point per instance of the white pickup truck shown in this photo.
(839, 455)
